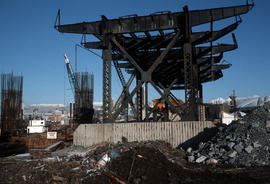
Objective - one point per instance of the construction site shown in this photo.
(139, 137)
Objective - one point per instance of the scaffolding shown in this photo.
(11, 104)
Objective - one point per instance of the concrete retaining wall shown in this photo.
(173, 132)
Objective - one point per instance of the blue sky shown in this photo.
(30, 46)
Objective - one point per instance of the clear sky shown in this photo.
(30, 46)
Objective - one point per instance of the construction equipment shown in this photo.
(71, 76)
(82, 85)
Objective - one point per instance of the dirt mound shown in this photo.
(145, 165)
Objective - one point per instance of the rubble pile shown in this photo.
(245, 142)
(93, 154)
(125, 162)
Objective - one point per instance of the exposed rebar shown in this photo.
(11, 103)
(84, 97)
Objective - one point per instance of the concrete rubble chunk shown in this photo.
(211, 161)
(267, 124)
(239, 147)
(191, 158)
(241, 122)
(222, 150)
(255, 125)
(249, 149)
(201, 159)
(231, 161)
(256, 145)
(189, 150)
(211, 153)
(231, 144)
(232, 154)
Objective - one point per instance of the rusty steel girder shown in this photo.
(169, 59)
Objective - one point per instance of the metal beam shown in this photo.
(153, 22)
(139, 98)
(160, 41)
(117, 112)
(164, 53)
(189, 70)
(131, 60)
(124, 94)
(163, 95)
(205, 37)
(178, 52)
(107, 72)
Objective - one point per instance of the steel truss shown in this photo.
(168, 60)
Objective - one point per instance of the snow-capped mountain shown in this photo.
(44, 108)
(47, 105)
(220, 101)
(244, 102)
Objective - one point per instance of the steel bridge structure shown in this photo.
(160, 50)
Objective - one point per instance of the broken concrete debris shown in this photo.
(267, 124)
(211, 161)
(130, 162)
(200, 159)
(243, 143)
(191, 158)
(249, 149)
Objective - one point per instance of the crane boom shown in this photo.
(71, 76)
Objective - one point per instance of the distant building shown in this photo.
(37, 126)
(59, 116)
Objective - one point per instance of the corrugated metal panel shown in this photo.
(173, 132)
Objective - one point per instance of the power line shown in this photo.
(79, 45)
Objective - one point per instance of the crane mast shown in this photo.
(71, 76)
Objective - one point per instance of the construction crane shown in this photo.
(71, 76)
(83, 112)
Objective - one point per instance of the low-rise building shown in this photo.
(37, 126)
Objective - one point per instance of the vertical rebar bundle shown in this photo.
(84, 94)
(11, 103)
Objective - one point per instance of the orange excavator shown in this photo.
(163, 111)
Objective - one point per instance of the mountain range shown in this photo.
(45, 108)
(244, 102)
